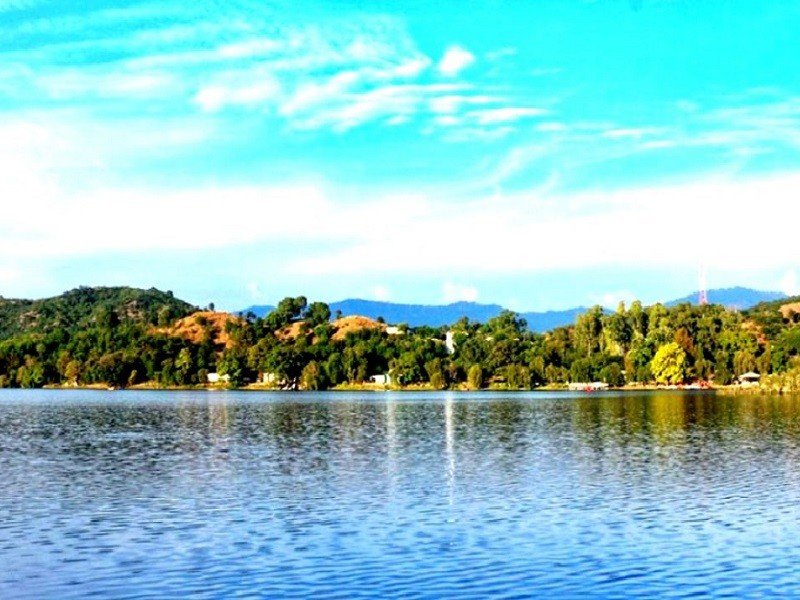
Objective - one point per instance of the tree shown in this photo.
(288, 311)
(612, 375)
(183, 366)
(475, 377)
(589, 331)
(619, 332)
(669, 364)
(581, 370)
(517, 377)
(317, 313)
(743, 361)
(436, 375)
(72, 371)
(31, 375)
(312, 377)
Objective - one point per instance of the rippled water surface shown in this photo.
(150, 494)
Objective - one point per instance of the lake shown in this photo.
(420, 495)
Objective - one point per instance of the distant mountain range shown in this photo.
(740, 298)
(437, 315)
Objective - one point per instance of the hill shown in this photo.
(416, 315)
(85, 306)
(202, 325)
(740, 298)
(341, 327)
(541, 322)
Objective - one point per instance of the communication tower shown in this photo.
(702, 295)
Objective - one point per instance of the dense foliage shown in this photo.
(120, 337)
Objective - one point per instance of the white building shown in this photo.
(384, 379)
(268, 378)
(217, 378)
(587, 386)
(749, 379)
(450, 342)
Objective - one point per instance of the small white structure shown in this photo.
(384, 379)
(217, 378)
(594, 386)
(749, 379)
(394, 330)
(450, 342)
(268, 378)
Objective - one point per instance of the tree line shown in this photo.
(296, 347)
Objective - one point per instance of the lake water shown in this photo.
(222, 494)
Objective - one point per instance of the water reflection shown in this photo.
(450, 450)
(429, 495)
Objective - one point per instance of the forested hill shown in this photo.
(740, 298)
(432, 315)
(418, 315)
(85, 307)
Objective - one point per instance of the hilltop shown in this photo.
(341, 327)
(739, 298)
(203, 325)
(84, 307)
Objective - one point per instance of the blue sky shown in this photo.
(535, 154)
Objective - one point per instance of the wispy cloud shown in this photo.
(455, 292)
(388, 102)
(381, 292)
(216, 97)
(501, 53)
(506, 114)
(789, 283)
(455, 60)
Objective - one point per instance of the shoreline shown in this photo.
(150, 386)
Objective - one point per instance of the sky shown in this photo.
(537, 154)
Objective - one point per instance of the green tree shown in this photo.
(317, 313)
(312, 377)
(72, 372)
(517, 377)
(669, 364)
(436, 375)
(475, 377)
(612, 375)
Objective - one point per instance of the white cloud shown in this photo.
(501, 53)
(381, 292)
(505, 114)
(386, 102)
(643, 227)
(216, 97)
(454, 292)
(632, 132)
(450, 105)
(9, 274)
(752, 221)
(249, 48)
(552, 127)
(455, 60)
(255, 292)
(789, 284)
(612, 299)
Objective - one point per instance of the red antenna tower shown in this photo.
(702, 295)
